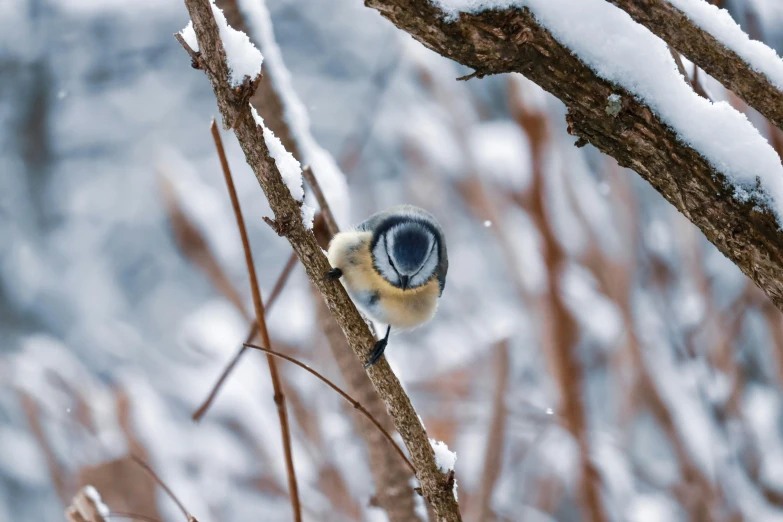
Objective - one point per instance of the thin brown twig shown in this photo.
(146, 467)
(195, 247)
(353, 402)
(273, 295)
(496, 435)
(331, 223)
(133, 516)
(258, 305)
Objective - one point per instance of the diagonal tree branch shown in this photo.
(287, 219)
(393, 491)
(511, 40)
(703, 49)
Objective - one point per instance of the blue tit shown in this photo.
(393, 266)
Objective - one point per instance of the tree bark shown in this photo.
(676, 29)
(510, 40)
(235, 110)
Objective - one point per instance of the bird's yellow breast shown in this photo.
(379, 299)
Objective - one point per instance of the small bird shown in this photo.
(393, 266)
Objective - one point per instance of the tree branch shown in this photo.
(393, 491)
(511, 40)
(703, 49)
(331, 224)
(236, 113)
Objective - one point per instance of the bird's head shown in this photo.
(405, 252)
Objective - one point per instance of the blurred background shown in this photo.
(587, 329)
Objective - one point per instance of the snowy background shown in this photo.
(110, 338)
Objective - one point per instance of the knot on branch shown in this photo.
(283, 224)
(520, 35)
(474, 74)
(572, 130)
(449, 480)
(238, 98)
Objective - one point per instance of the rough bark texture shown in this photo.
(511, 41)
(700, 47)
(235, 109)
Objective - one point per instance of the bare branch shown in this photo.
(331, 224)
(195, 247)
(258, 305)
(146, 467)
(288, 218)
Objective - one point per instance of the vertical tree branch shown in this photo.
(559, 326)
(258, 305)
(493, 457)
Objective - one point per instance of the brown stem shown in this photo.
(496, 437)
(342, 393)
(133, 516)
(273, 295)
(560, 330)
(146, 467)
(331, 224)
(287, 214)
(258, 306)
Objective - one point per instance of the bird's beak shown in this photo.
(404, 282)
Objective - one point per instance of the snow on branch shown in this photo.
(623, 52)
(696, 154)
(330, 178)
(711, 39)
(289, 168)
(244, 59)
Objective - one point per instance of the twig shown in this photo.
(195, 57)
(273, 295)
(287, 211)
(340, 391)
(163, 485)
(331, 223)
(562, 332)
(496, 435)
(195, 247)
(474, 74)
(133, 516)
(355, 145)
(258, 306)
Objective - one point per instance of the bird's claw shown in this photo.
(333, 275)
(377, 352)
